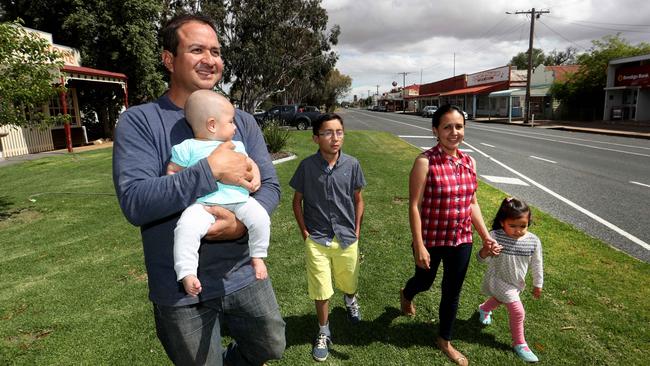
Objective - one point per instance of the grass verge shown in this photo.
(74, 290)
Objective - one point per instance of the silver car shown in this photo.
(428, 111)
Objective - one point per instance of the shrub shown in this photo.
(276, 137)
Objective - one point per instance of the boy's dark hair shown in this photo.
(169, 33)
(444, 109)
(511, 208)
(324, 118)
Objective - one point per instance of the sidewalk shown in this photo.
(78, 149)
(637, 129)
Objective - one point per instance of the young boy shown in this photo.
(328, 207)
(212, 119)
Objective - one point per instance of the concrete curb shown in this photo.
(288, 158)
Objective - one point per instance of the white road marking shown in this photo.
(414, 137)
(488, 145)
(592, 215)
(466, 150)
(425, 148)
(505, 180)
(641, 184)
(566, 142)
(542, 159)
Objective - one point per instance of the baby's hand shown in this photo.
(537, 292)
(260, 268)
(192, 285)
(173, 168)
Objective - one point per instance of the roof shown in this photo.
(93, 73)
(624, 60)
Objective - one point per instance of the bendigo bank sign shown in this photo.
(633, 76)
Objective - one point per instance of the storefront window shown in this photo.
(56, 107)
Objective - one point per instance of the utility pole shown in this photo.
(403, 88)
(533, 15)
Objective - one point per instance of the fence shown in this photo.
(21, 141)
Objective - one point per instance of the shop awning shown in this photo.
(541, 91)
(502, 93)
(70, 72)
(422, 96)
(471, 90)
(89, 74)
(518, 92)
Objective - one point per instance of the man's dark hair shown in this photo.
(324, 118)
(169, 33)
(447, 108)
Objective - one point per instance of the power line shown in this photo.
(561, 36)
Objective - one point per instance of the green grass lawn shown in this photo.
(74, 290)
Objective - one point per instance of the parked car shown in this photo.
(381, 108)
(465, 115)
(294, 115)
(429, 110)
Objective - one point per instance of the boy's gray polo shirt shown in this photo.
(328, 197)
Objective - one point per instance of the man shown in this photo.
(189, 327)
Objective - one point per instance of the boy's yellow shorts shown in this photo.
(323, 262)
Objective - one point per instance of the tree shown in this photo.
(567, 57)
(270, 45)
(337, 85)
(29, 69)
(521, 59)
(584, 89)
(115, 36)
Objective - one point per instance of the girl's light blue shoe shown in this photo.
(485, 317)
(525, 353)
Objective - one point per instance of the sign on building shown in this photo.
(489, 76)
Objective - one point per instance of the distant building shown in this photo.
(627, 92)
(471, 91)
(20, 141)
(510, 102)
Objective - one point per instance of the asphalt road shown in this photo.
(599, 184)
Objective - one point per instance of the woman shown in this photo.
(442, 210)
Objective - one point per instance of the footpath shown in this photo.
(636, 129)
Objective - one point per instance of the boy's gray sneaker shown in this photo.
(320, 351)
(354, 314)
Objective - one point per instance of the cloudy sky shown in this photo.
(382, 38)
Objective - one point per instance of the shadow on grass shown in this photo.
(302, 330)
(4, 208)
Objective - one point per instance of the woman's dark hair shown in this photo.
(322, 119)
(511, 208)
(169, 33)
(444, 109)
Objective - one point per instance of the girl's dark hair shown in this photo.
(324, 118)
(511, 208)
(169, 33)
(444, 109)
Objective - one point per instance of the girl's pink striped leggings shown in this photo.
(516, 313)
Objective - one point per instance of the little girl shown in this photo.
(506, 273)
